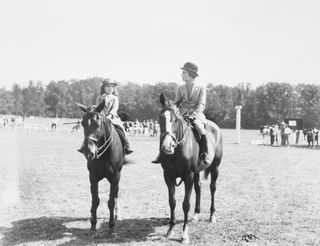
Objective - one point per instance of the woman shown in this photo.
(109, 94)
(193, 104)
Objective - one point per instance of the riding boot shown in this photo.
(204, 155)
(127, 149)
(81, 149)
(157, 160)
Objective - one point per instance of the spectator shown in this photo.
(276, 133)
(272, 134)
(287, 132)
(297, 136)
(282, 127)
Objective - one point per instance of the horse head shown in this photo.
(170, 121)
(97, 128)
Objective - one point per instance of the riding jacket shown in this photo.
(193, 104)
(111, 107)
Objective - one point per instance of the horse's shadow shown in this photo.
(75, 231)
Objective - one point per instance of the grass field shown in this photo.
(265, 195)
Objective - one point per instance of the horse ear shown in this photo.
(100, 106)
(162, 99)
(81, 106)
(179, 101)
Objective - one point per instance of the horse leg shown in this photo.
(214, 176)
(197, 189)
(172, 202)
(117, 208)
(94, 201)
(114, 187)
(188, 183)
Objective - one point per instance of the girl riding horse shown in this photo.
(108, 93)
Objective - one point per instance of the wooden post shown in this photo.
(238, 123)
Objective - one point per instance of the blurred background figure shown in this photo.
(54, 124)
(297, 136)
(287, 132)
(272, 134)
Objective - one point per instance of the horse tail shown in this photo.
(217, 154)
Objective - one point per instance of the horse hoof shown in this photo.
(113, 235)
(185, 240)
(195, 218)
(93, 233)
(170, 234)
(213, 219)
(118, 217)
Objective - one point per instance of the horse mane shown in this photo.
(173, 107)
(183, 123)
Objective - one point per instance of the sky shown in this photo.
(147, 41)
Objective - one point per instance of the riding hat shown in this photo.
(109, 82)
(191, 67)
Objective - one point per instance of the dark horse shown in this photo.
(179, 155)
(103, 150)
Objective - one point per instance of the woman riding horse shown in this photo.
(179, 154)
(193, 99)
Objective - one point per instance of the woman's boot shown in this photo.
(204, 155)
(127, 149)
(157, 160)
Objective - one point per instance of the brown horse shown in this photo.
(103, 150)
(179, 154)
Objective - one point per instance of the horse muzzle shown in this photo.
(90, 152)
(168, 146)
(90, 156)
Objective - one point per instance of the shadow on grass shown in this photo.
(76, 231)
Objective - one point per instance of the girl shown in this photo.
(109, 94)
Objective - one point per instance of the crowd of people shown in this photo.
(146, 128)
(11, 121)
(281, 134)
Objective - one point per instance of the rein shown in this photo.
(103, 148)
(179, 142)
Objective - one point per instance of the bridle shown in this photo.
(100, 150)
(178, 141)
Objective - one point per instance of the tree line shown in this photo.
(266, 104)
